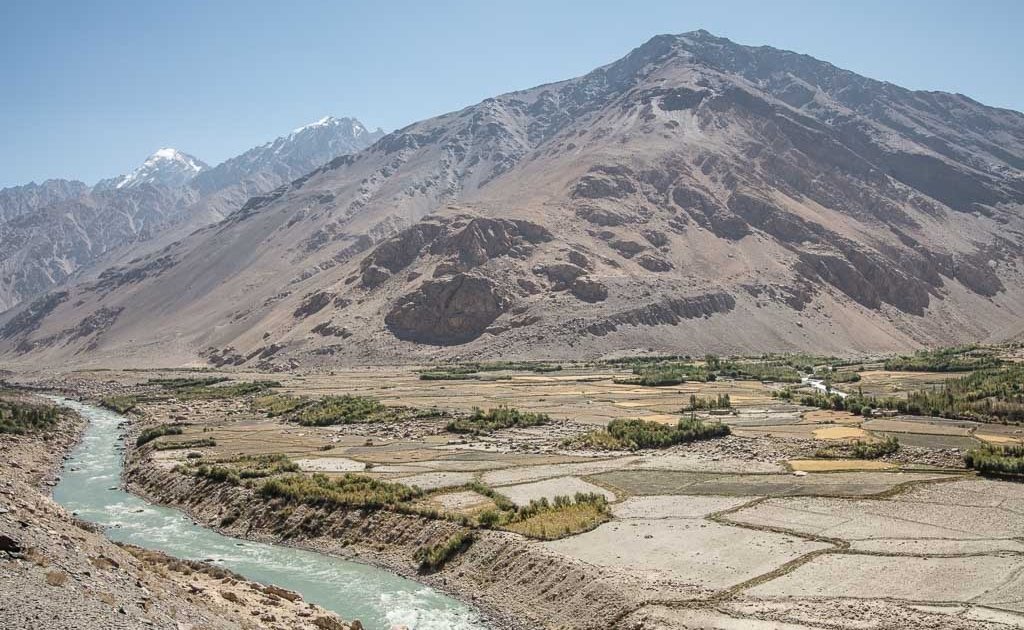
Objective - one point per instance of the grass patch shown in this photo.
(152, 433)
(347, 491)
(502, 417)
(635, 434)
(337, 410)
(564, 516)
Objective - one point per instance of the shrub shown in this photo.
(198, 443)
(120, 404)
(494, 419)
(562, 516)
(634, 434)
(278, 404)
(722, 401)
(212, 392)
(152, 433)
(332, 410)
(19, 417)
(868, 450)
(349, 490)
(955, 359)
(434, 557)
(996, 460)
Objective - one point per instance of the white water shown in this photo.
(820, 385)
(89, 488)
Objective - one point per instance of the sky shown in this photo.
(88, 89)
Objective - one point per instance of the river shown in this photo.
(89, 487)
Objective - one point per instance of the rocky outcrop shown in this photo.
(589, 290)
(461, 243)
(670, 311)
(447, 311)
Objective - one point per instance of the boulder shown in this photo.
(447, 311)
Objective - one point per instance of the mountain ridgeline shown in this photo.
(53, 230)
(694, 196)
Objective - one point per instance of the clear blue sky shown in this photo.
(89, 88)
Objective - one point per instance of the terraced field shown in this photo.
(781, 524)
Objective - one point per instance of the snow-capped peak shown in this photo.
(166, 166)
(331, 121)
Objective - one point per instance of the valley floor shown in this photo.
(756, 530)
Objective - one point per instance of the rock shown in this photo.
(627, 248)
(589, 290)
(56, 578)
(654, 263)
(448, 311)
(329, 623)
(283, 593)
(9, 544)
(561, 275)
(231, 596)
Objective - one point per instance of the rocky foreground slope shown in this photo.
(696, 195)
(59, 572)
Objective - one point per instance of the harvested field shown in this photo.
(841, 433)
(828, 416)
(993, 580)
(688, 552)
(831, 465)
(329, 464)
(851, 484)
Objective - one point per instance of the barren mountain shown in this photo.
(696, 195)
(52, 231)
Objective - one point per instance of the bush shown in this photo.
(434, 557)
(955, 359)
(213, 392)
(333, 410)
(997, 460)
(19, 417)
(494, 419)
(722, 401)
(198, 443)
(120, 404)
(152, 433)
(349, 490)
(448, 376)
(562, 516)
(866, 450)
(278, 404)
(634, 434)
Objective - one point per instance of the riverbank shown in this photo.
(57, 571)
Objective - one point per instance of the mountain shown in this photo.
(291, 156)
(167, 167)
(19, 200)
(50, 232)
(695, 196)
